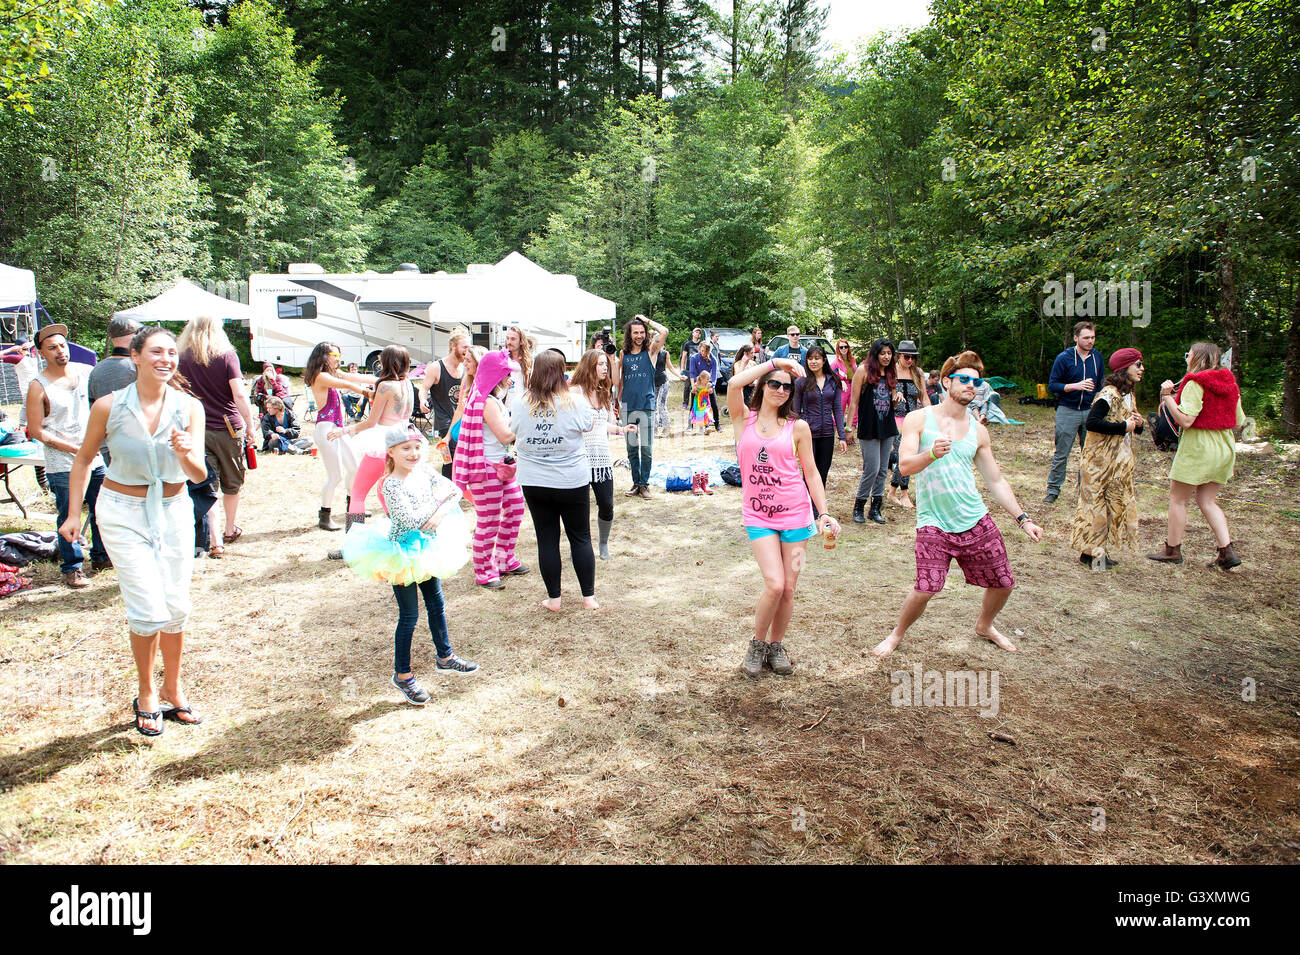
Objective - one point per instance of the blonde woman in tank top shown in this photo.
(154, 433)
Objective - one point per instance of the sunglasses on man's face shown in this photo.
(969, 380)
(780, 385)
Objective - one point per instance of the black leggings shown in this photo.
(823, 455)
(549, 507)
(604, 491)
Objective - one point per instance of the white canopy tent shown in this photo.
(17, 287)
(518, 290)
(184, 301)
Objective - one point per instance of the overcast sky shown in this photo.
(850, 20)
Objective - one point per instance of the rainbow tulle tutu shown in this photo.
(416, 557)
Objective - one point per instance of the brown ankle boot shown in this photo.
(1171, 555)
(1227, 558)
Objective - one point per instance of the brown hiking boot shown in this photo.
(755, 656)
(778, 660)
(76, 580)
(1227, 558)
(1171, 555)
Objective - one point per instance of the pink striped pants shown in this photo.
(499, 510)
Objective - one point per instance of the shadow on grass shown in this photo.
(302, 734)
(34, 765)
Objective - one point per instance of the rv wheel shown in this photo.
(372, 362)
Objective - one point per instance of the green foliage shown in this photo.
(607, 232)
(98, 197)
(422, 224)
(32, 34)
(283, 188)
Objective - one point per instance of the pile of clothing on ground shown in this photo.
(680, 475)
(19, 549)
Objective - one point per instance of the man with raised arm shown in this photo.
(635, 381)
(939, 445)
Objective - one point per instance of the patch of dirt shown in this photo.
(1153, 709)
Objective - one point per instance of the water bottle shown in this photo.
(444, 450)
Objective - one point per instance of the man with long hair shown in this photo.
(939, 445)
(634, 380)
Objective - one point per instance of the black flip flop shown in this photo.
(143, 715)
(170, 712)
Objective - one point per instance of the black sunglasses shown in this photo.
(782, 385)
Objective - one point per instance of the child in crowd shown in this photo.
(424, 538)
(701, 410)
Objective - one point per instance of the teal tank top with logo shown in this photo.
(946, 496)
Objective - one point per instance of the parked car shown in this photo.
(729, 342)
(805, 342)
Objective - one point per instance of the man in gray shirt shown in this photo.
(117, 370)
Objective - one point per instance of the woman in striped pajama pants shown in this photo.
(483, 468)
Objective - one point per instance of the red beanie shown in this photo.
(1123, 358)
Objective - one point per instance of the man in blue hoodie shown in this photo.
(1076, 377)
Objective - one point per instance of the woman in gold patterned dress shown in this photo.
(1106, 520)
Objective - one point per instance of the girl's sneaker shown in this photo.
(414, 693)
(455, 665)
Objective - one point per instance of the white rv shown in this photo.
(364, 312)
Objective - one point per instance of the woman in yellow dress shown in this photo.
(1106, 519)
(1207, 406)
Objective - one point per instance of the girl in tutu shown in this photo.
(424, 537)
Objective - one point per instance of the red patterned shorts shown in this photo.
(980, 553)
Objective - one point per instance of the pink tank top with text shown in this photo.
(772, 488)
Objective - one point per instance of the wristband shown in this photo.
(1023, 519)
(932, 457)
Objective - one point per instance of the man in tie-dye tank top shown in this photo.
(939, 445)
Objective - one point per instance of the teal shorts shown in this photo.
(787, 537)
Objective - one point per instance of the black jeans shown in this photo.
(604, 491)
(549, 507)
(408, 615)
(899, 479)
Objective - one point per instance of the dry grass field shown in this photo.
(628, 734)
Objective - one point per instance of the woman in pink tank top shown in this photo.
(778, 474)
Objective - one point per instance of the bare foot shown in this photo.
(905, 502)
(994, 637)
(886, 646)
(590, 603)
(552, 605)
